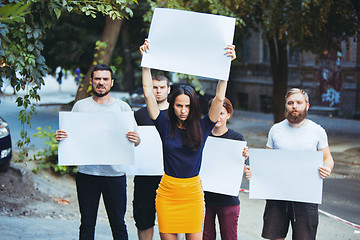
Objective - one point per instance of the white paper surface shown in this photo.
(222, 166)
(286, 175)
(96, 138)
(148, 154)
(190, 42)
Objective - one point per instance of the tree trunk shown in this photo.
(109, 36)
(129, 80)
(279, 66)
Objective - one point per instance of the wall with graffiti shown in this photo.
(330, 79)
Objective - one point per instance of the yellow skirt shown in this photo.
(180, 205)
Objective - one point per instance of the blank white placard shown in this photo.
(96, 138)
(190, 42)
(222, 166)
(148, 154)
(286, 175)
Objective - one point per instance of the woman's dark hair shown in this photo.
(192, 124)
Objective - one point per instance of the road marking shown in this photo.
(340, 219)
(244, 190)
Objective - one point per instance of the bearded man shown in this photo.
(92, 181)
(296, 132)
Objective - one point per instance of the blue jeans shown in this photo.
(89, 188)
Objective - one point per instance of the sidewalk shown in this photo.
(343, 135)
(250, 225)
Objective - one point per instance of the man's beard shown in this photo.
(297, 117)
(99, 94)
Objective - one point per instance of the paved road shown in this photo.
(46, 116)
(250, 223)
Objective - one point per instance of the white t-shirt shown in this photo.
(309, 137)
(89, 105)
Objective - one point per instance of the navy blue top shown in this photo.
(142, 117)
(180, 161)
(217, 199)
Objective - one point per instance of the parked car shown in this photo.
(136, 99)
(5, 146)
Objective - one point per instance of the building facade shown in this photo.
(333, 83)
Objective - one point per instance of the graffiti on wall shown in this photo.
(330, 79)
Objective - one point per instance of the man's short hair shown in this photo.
(101, 67)
(295, 91)
(162, 78)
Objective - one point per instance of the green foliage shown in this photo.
(100, 50)
(14, 12)
(20, 54)
(218, 7)
(309, 25)
(193, 80)
(70, 43)
(116, 9)
(22, 30)
(48, 158)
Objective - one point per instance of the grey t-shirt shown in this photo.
(309, 137)
(114, 105)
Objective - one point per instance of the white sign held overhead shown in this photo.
(190, 42)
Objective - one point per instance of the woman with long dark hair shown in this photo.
(180, 198)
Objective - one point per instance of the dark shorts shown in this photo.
(144, 201)
(304, 220)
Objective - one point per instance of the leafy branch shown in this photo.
(21, 59)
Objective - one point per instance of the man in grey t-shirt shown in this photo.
(296, 132)
(108, 180)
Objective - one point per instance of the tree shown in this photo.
(21, 44)
(307, 25)
(105, 48)
(129, 69)
(70, 43)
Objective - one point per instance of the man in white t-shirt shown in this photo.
(296, 132)
(92, 181)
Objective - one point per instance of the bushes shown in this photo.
(48, 158)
